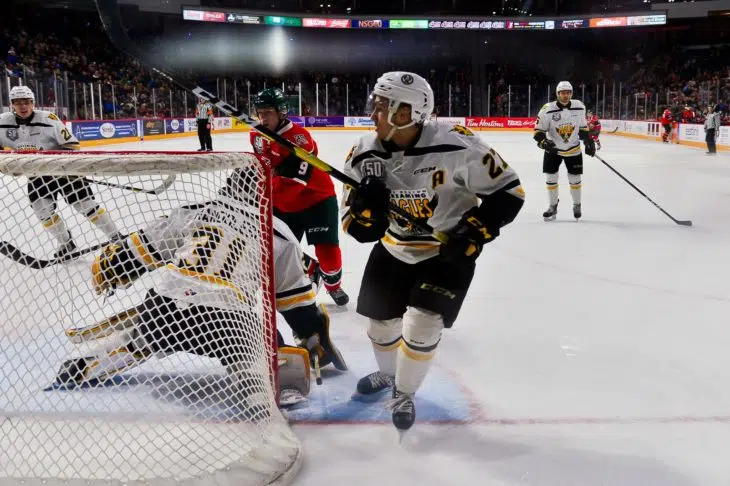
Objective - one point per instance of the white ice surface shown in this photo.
(596, 351)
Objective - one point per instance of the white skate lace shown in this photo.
(403, 402)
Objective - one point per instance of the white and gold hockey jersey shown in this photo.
(562, 125)
(436, 179)
(42, 131)
(206, 251)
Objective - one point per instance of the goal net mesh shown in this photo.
(150, 360)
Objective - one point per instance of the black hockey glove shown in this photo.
(369, 210)
(590, 146)
(292, 167)
(467, 238)
(547, 146)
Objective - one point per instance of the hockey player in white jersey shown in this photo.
(413, 286)
(199, 302)
(560, 127)
(29, 130)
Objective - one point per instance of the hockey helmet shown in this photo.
(563, 86)
(21, 93)
(409, 88)
(271, 98)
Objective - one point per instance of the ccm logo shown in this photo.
(318, 229)
(438, 290)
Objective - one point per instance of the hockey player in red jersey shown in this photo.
(666, 121)
(594, 125)
(304, 196)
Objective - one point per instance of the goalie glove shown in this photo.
(467, 238)
(118, 265)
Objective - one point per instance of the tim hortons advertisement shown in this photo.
(499, 122)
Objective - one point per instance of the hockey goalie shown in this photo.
(199, 302)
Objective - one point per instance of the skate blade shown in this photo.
(372, 397)
(549, 218)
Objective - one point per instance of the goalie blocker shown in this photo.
(198, 306)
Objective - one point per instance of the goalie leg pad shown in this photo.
(122, 353)
(119, 322)
(294, 371)
(385, 337)
(421, 335)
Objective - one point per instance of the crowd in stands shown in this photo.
(75, 56)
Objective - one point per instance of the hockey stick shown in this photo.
(15, 254)
(157, 190)
(111, 20)
(679, 222)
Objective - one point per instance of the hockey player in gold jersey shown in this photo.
(413, 285)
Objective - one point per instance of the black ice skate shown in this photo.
(65, 249)
(576, 211)
(339, 296)
(551, 212)
(370, 386)
(404, 410)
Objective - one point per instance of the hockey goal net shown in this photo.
(196, 404)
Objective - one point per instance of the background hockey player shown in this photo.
(304, 196)
(666, 121)
(29, 130)
(204, 117)
(413, 286)
(198, 305)
(561, 125)
(594, 126)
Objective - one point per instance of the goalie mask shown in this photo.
(399, 87)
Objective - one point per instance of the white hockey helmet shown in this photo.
(21, 93)
(563, 86)
(404, 87)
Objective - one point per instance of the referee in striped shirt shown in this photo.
(712, 128)
(204, 115)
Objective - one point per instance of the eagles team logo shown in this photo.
(12, 134)
(565, 131)
(406, 79)
(462, 130)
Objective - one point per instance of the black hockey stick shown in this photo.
(680, 222)
(111, 19)
(15, 254)
(157, 190)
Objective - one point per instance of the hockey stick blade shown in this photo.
(677, 221)
(110, 18)
(157, 190)
(15, 254)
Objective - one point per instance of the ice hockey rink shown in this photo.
(587, 353)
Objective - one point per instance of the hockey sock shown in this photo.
(575, 187)
(552, 189)
(330, 263)
(386, 337)
(421, 335)
(45, 210)
(96, 215)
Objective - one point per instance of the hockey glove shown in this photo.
(292, 167)
(467, 238)
(369, 210)
(590, 147)
(547, 146)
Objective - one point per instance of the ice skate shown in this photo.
(551, 212)
(404, 411)
(576, 211)
(65, 249)
(370, 387)
(339, 296)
